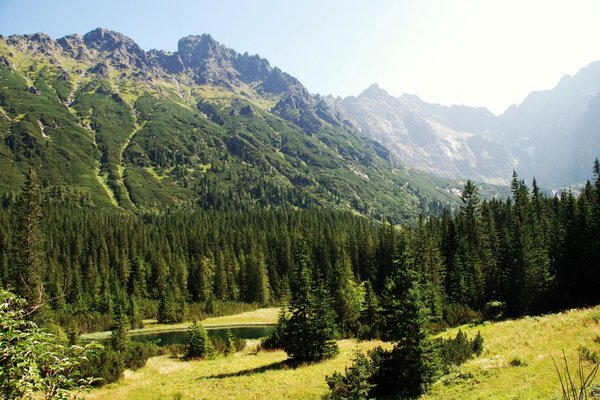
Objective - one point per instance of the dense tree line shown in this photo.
(529, 253)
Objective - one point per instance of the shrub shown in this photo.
(32, 360)
(198, 343)
(275, 341)
(355, 383)
(225, 346)
(106, 365)
(494, 310)
(458, 350)
(230, 346)
(477, 344)
(459, 314)
(137, 354)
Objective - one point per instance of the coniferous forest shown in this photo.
(526, 254)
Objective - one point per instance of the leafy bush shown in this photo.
(32, 360)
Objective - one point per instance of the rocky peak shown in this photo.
(252, 68)
(122, 50)
(74, 46)
(278, 82)
(195, 51)
(37, 43)
(375, 92)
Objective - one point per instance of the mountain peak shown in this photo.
(374, 92)
(122, 49)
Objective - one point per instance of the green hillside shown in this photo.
(106, 123)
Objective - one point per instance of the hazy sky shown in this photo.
(480, 53)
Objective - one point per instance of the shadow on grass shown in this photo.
(247, 372)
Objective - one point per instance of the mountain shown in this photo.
(452, 142)
(555, 132)
(552, 135)
(108, 124)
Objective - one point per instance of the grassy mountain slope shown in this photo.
(106, 123)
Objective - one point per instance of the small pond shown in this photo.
(179, 337)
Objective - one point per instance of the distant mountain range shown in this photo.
(553, 135)
(109, 124)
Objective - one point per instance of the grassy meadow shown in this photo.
(516, 364)
(245, 375)
(517, 359)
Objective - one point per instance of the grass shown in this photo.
(262, 316)
(516, 364)
(517, 358)
(245, 375)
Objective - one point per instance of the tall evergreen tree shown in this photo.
(348, 296)
(28, 258)
(309, 333)
(411, 366)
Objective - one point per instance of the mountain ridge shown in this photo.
(108, 123)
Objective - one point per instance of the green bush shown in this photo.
(355, 383)
(275, 341)
(227, 346)
(458, 350)
(106, 365)
(459, 314)
(198, 343)
(136, 354)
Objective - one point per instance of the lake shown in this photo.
(179, 337)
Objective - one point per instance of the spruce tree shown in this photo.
(167, 309)
(230, 343)
(28, 258)
(198, 343)
(348, 296)
(309, 333)
(411, 366)
(118, 339)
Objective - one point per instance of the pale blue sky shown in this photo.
(480, 53)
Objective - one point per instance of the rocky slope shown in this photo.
(555, 132)
(552, 135)
(452, 142)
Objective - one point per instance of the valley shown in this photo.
(389, 247)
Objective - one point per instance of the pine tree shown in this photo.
(348, 296)
(309, 332)
(118, 339)
(198, 343)
(28, 256)
(167, 309)
(135, 314)
(230, 343)
(411, 366)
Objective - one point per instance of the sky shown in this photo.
(479, 53)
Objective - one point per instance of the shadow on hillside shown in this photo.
(253, 371)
